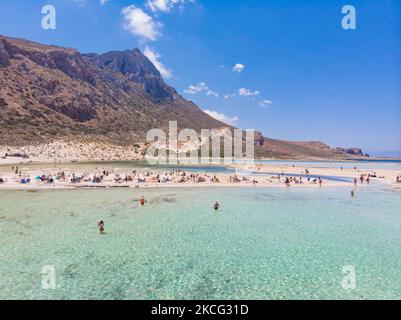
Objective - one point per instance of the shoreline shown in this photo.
(93, 176)
(167, 186)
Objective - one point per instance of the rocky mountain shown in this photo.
(273, 148)
(51, 93)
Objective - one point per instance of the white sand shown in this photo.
(61, 151)
(12, 180)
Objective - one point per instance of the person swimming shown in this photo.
(101, 226)
(216, 206)
(142, 201)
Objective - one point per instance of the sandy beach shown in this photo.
(46, 176)
(47, 166)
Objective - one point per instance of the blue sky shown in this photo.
(299, 75)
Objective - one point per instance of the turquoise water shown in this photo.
(120, 165)
(141, 165)
(265, 243)
(361, 164)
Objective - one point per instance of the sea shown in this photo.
(264, 243)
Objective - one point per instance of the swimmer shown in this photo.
(101, 226)
(216, 206)
(142, 201)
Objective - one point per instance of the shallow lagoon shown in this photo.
(212, 168)
(265, 243)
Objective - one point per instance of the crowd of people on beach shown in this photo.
(288, 180)
(104, 178)
(179, 176)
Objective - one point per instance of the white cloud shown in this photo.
(244, 92)
(137, 22)
(164, 5)
(222, 117)
(158, 5)
(238, 68)
(196, 88)
(212, 93)
(153, 56)
(230, 95)
(201, 87)
(265, 103)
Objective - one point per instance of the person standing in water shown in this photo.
(216, 206)
(101, 226)
(142, 201)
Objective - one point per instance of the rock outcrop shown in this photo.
(350, 151)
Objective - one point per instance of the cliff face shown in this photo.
(136, 68)
(49, 92)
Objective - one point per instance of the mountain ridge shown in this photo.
(57, 92)
(50, 93)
